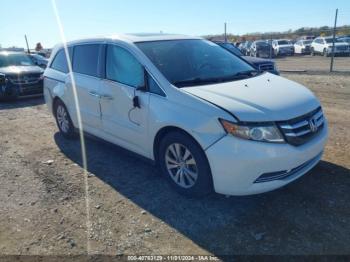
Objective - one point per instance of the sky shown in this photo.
(86, 18)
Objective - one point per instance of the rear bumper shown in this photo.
(285, 51)
(237, 164)
(306, 51)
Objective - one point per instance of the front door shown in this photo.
(122, 120)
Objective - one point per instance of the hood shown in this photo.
(257, 60)
(262, 98)
(17, 70)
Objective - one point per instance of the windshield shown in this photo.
(307, 42)
(15, 60)
(195, 62)
(330, 40)
(283, 42)
(261, 43)
(231, 48)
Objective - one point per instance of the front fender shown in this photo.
(196, 117)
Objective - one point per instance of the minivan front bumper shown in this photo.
(237, 164)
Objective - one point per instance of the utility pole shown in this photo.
(333, 46)
(25, 36)
(225, 32)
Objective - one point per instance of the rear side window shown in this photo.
(123, 67)
(85, 59)
(60, 62)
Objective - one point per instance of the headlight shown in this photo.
(256, 132)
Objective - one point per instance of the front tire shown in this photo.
(184, 164)
(64, 121)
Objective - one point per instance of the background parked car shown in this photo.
(302, 47)
(19, 75)
(259, 63)
(260, 48)
(282, 47)
(39, 60)
(245, 47)
(344, 39)
(324, 46)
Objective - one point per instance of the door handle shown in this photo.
(106, 97)
(92, 93)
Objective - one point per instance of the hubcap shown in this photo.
(181, 165)
(62, 119)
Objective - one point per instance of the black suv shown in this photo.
(259, 63)
(19, 76)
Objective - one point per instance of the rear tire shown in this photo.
(184, 164)
(64, 121)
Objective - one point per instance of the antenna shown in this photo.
(25, 36)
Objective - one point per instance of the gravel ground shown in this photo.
(132, 210)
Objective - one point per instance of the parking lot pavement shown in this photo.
(132, 210)
(312, 63)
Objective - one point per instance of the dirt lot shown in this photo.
(316, 64)
(131, 209)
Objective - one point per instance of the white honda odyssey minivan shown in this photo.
(210, 120)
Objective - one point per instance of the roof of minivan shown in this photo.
(142, 37)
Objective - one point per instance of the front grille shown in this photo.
(300, 130)
(280, 175)
(25, 79)
(266, 67)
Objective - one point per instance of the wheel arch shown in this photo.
(163, 132)
(54, 101)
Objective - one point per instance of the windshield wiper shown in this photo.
(203, 81)
(195, 81)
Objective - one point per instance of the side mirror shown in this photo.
(142, 88)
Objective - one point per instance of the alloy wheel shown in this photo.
(62, 119)
(181, 165)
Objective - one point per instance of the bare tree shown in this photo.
(38, 47)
